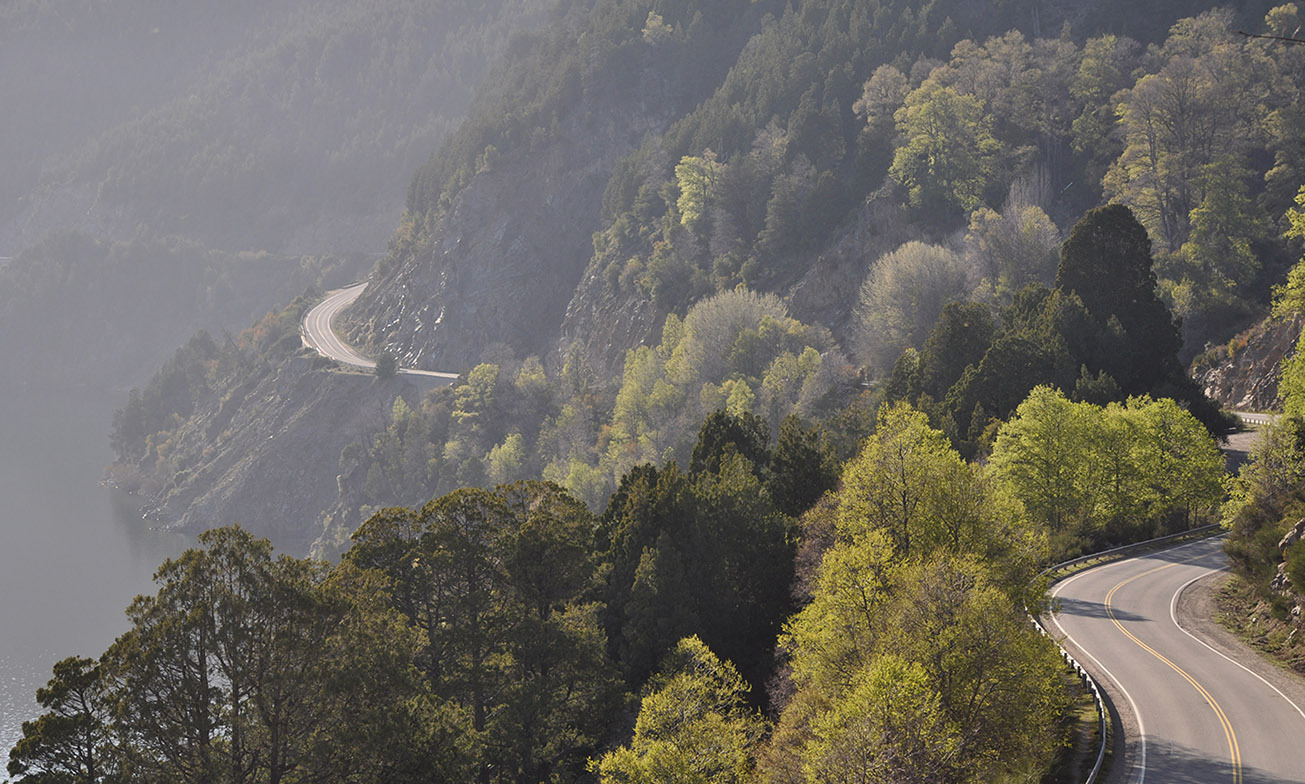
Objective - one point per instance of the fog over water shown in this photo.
(72, 553)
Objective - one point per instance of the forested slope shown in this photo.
(803, 166)
(911, 187)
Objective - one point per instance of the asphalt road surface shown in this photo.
(1199, 716)
(320, 336)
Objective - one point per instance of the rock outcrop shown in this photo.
(504, 258)
(267, 457)
(1243, 375)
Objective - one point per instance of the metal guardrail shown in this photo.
(1096, 696)
(1096, 559)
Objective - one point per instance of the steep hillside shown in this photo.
(281, 126)
(657, 211)
(788, 167)
(500, 222)
(1244, 373)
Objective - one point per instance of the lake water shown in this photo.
(72, 553)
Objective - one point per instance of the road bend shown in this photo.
(320, 335)
(1200, 717)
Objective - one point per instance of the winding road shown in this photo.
(1195, 716)
(319, 335)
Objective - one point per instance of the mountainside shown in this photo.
(783, 168)
(500, 222)
(286, 126)
(274, 470)
(597, 246)
(170, 167)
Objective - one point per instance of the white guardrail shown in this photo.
(1105, 556)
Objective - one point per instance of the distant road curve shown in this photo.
(1200, 717)
(1256, 419)
(319, 335)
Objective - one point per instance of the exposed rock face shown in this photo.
(830, 287)
(605, 326)
(268, 456)
(1292, 536)
(505, 258)
(1244, 374)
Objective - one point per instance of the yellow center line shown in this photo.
(1233, 748)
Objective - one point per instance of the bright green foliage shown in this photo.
(889, 727)
(1291, 384)
(904, 483)
(725, 348)
(506, 462)
(694, 726)
(947, 159)
(1265, 502)
(1289, 299)
(902, 670)
(1096, 475)
(696, 177)
(1289, 302)
(909, 485)
(70, 743)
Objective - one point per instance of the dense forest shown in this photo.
(750, 617)
(771, 611)
(794, 340)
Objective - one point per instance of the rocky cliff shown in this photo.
(266, 455)
(500, 265)
(1243, 375)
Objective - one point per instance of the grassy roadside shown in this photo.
(1261, 623)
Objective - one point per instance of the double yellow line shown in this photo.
(1233, 748)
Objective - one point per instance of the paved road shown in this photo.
(1200, 717)
(320, 336)
(1255, 419)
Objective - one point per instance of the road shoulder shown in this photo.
(1196, 611)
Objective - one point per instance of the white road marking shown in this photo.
(1174, 617)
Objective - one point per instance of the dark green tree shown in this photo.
(70, 743)
(387, 365)
(495, 584)
(959, 339)
(802, 469)
(1106, 261)
(724, 434)
(705, 554)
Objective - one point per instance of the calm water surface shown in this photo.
(72, 553)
